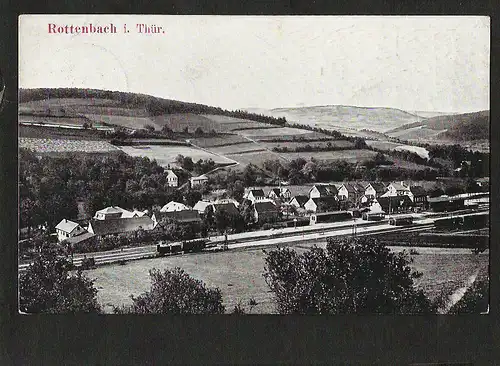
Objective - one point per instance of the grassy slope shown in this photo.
(457, 127)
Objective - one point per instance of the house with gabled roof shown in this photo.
(66, 229)
(322, 204)
(266, 212)
(299, 201)
(182, 217)
(323, 190)
(418, 195)
(285, 193)
(396, 189)
(198, 181)
(255, 195)
(392, 204)
(351, 191)
(201, 206)
(172, 178)
(375, 189)
(120, 226)
(274, 194)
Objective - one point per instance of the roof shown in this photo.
(326, 189)
(379, 187)
(395, 201)
(201, 177)
(229, 207)
(398, 186)
(174, 206)
(353, 187)
(201, 205)
(262, 207)
(105, 227)
(79, 238)
(444, 199)
(331, 213)
(257, 192)
(418, 191)
(276, 191)
(301, 200)
(326, 203)
(184, 216)
(112, 210)
(171, 174)
(67, 226)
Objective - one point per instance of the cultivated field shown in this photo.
(304, 137)
(236, 149)
(70, 121)
(63, 145)
(266, 132)
(238, 274)
(165, 155)
(342, 144)
(221, 140)
(351, 156)
(387, 145)
(57, 133)
(179, 121)
(123, 121)
(256, 158)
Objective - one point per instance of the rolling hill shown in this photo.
(345, 119)
(455, 128)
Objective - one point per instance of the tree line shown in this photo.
(351, 276)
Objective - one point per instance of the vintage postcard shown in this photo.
(254, 164)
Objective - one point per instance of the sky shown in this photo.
(411, 63)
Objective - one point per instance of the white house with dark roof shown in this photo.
(396, 189)
(255, 195)
(172, 178)
(198, 181)
(67, 229)
(323, 190)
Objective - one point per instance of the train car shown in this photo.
(373, 216)
(163, 249)
(400, 221)
(191, 246)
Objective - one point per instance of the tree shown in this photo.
(198, 132)
(350, 276)
(149, 128)
(175, 292)
(48, 287)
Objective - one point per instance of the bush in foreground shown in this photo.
(350, 276)
(175, 292)
(47, 286)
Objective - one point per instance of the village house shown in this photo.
(418, 196)
(322, 204)
(198, 181)
(274, 194)
(119, 226)
(172, 179)
(112, 212)
(396, 189)
(374, 190)
(299, 201)
(201, 206)
(323, 190)
(174, 206)
(67, 229)
(285, 193)
(228, 200)
(229, 207)
(181, 217)
(255, 195)
(391, 204)
(352, 192)
(265, 212)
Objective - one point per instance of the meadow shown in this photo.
(166, 155)
(388, 145)
(351, 156)
(238, 274)
(132, 122)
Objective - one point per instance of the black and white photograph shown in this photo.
(288, 165)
